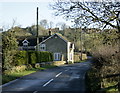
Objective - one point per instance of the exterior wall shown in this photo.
(59, 63)
(27, 48)
(72, 55)
(56, 45)
(70, 52)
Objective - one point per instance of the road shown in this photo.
(64, 78)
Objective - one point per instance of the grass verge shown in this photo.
(81, 61)
(12, 76)
(93, 83)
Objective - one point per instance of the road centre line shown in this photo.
(66, 70)
(58, 74)
(47, 82)
(35, 92)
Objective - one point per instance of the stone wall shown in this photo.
(55, 63)
(58, 63)
(77, 57)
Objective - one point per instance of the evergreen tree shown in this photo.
(9, 49)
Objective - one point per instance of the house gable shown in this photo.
(56, 34)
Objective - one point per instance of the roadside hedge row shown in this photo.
(32, 57)
(92, 81)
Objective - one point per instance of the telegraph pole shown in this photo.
(81, 47)
(37, 37)
(81, 43)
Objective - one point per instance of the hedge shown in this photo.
(21, 58)
(32, 57)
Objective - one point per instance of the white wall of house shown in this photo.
(70, 52)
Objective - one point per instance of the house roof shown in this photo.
(58, 34)
(32, 40)
(63, 37)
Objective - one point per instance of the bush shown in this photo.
(44, 56)
(19, 68)
(30, 57)
(92, 80)
(37, 65)
(21, 58)
(106, 61)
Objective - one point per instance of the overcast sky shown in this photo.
(24, 13)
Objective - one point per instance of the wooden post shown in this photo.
(37, 36)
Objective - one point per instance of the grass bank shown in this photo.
(94, 82)
(81, 61)
(15, 75)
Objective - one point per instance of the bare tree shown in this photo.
(103, 13)
(61, 25)
(44, 23)
(51, 24)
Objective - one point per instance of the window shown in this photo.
(71, 57)
(42, 47)
(57, 56)
(25, 43)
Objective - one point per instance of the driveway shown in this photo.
(64, 78)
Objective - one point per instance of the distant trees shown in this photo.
(21, 31)
(44, 23)
(32, 30)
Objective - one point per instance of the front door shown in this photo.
(57, 56)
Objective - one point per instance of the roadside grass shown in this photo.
(15, 75)
(81, 61)
(12, 76)
(111, 87)
(93, 83)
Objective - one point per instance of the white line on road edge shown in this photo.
(58, 74)
(6, 84)
(47, 82)
(35, 92)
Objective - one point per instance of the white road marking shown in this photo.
(83, 75)
(66, 70)
(47, 82)
(58, 74)
(6, 84)
(35, 92)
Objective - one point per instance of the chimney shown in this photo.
(50, 33)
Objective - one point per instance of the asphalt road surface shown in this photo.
(64, 78)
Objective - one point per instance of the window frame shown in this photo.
(42, 47)
(57, 56)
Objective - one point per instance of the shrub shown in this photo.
(106, 61)
(37, 65)
(29, 66)
(44, 56)
(21, 58)
(19, 68)
(92, 80)
(32, 57)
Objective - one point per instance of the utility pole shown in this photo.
(81, 43)
(37, 37)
